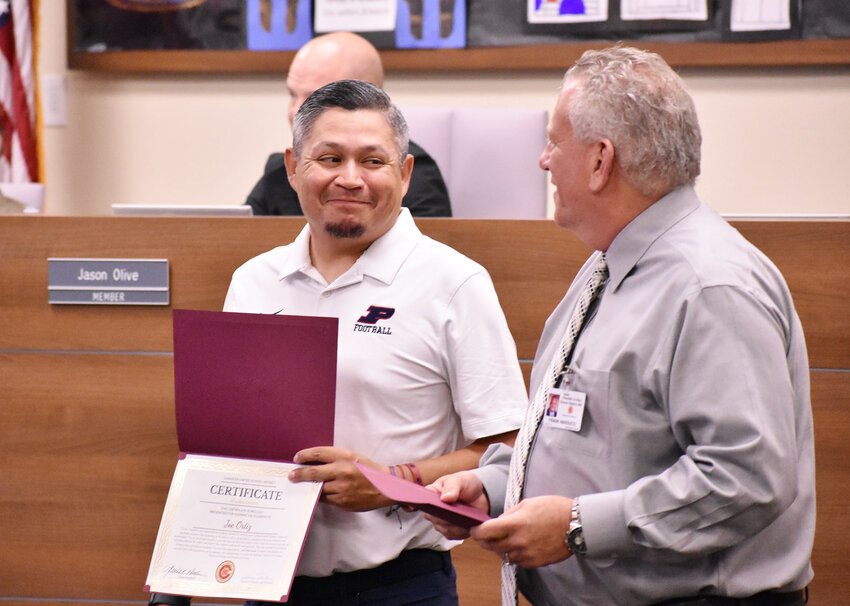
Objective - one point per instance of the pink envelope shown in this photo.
(419, 497)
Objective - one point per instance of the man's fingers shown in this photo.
(317, 454)
(450, 531)
(310, 473)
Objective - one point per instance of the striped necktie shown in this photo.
(534, 413)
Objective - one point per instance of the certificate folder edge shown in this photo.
(230, 363)
(187, 325)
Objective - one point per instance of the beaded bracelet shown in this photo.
(414, 472)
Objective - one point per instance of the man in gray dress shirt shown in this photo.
(690, 479)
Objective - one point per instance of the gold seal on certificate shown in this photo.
(232, 528)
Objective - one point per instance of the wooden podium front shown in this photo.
(88, 435)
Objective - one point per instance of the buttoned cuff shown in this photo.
(603, 522)
(493, 473)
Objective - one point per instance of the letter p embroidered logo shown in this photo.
(377, 313)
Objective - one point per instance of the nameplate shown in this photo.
(108, 281)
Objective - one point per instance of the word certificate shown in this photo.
(232, 528)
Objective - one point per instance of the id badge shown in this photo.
(565, 409)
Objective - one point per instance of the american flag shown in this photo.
(19, 160)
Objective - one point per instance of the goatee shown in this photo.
(345, 230)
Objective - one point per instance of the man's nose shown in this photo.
(544, 158)
(350, 174)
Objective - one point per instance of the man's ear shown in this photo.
(406, 171)
(603, 165)
(289, 160)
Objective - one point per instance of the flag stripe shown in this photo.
(17, 80)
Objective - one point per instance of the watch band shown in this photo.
(575, 533)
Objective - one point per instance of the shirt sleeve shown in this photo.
(727, 392)
(493, 472)
(488, 391)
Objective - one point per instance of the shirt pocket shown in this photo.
(594, 437)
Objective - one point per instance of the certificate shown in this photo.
(232, 528)
(250, 390)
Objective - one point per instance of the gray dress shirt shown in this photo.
(694, 463)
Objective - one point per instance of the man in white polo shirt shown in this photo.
(428, 373)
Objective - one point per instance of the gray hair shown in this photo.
(636, 100)
(351, 95)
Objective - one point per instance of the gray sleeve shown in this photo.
(493, 473)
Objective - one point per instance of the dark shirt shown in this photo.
(427, 195)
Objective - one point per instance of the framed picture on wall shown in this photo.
(99, 26)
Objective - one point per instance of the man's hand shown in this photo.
(344, 485)
(530, 534)
(465, 487)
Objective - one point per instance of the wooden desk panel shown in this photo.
(89, 437)
(831, 406)
(478, 576)
(531, 262)
(202, 255)
(89, 448)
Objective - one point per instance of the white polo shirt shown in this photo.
(426, 365)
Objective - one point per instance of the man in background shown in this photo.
(680, 467)
(325, 59)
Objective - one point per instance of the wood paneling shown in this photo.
(531, 262)
(89, 447)
(202, 253)
(89, 460)
(87, 424)
(831, 406)
(478, 575)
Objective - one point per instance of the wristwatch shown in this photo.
(575, 534)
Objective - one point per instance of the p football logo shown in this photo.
(377, 313)
(368, 323)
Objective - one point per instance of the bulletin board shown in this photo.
(220, 36)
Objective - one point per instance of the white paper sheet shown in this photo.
(355, 15)
(680, 10)
(232, 528)
(760, 15)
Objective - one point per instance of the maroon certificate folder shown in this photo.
(253, 386)
(250, 391)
